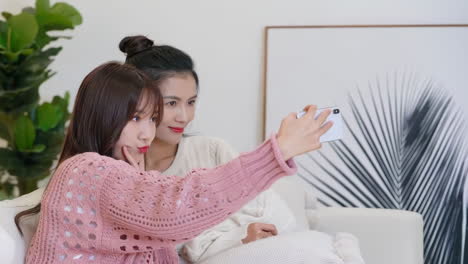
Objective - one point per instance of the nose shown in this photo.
(147, 132)
(182, 115)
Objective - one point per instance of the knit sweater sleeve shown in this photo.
(227, 234)
(175, 209)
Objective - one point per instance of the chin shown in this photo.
(172, 140)
(176, 139)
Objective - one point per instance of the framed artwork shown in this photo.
(403, 93)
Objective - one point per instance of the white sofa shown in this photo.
(385, 236)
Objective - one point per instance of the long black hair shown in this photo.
(158, 62)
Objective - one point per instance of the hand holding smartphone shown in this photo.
(336, 131)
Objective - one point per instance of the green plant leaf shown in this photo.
(25, 169)
(62, 102)
(14, 56)
(53, 139)
(20, 99)
(68, 11)
(67, 97)
(11, 56)
(3, 195)
(42, 6)
(58, 17)
(27, 52)
(9, 160)
(3, 34)
(7, 15)
(29, 10)
(24, 29)
(43, 39)
(37, 63)
(48, 116)
(6, 126)
(25, 133)
(38, 148)
(35, 149)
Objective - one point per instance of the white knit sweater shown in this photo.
(268, 207)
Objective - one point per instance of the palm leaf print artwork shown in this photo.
(405, 149)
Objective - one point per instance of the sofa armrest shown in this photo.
(385, 236)
(12, 244)
(7, 247)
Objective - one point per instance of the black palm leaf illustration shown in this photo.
(406, 150)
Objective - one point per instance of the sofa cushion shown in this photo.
(293, 191)
(294, 248)
(12, 244)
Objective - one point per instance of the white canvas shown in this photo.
(402, 91)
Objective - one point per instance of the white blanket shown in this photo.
(294, 248)
(268, 208)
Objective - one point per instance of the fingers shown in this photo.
(323, 116)
(129, 157)
(325, 128)
(256, 231)
(141, 163)
(311, 111)
(290, 116)
(275, 231)
(268, 228)
(308, 107)
(264, 235)
(262, 227)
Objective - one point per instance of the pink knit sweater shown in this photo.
(100, 210)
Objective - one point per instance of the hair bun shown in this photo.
(134, 44)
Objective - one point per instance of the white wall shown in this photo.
(225, 38)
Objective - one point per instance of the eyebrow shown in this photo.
(178, 98)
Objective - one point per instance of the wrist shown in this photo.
(283, 148)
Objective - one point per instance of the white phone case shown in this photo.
(336, 131)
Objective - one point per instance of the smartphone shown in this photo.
(336, 131)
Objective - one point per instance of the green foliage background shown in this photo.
(34, 132)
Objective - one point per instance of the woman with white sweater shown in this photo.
(174, 153)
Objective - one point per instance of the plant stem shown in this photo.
(27, 185)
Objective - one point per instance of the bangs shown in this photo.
(150, 101)
(107, 97)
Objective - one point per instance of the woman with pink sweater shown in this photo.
(102, 207)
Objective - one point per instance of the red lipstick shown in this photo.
(178, 130)
(143, 149)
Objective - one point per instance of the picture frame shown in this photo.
(401, 90)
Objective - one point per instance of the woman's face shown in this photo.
(139, 132)
(179, 94)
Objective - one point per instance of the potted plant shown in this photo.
(32, 132)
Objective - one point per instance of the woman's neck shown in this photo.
(160, 155)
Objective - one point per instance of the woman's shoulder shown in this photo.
(88, 156)
(212, 143)
(86, 168)
(215, 149)
(91, 159)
